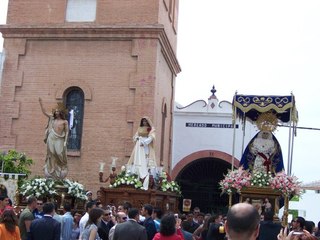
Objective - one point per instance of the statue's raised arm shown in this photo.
(42, 108)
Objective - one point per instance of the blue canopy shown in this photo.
(251, 106)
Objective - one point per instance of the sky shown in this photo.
(253, 47)
(257, 48)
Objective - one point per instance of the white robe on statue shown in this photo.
(142, 158)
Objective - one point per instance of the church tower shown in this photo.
(110, 62)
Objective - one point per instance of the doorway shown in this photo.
(199, 182)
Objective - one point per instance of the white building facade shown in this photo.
(205, 145)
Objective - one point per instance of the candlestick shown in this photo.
(101, 166)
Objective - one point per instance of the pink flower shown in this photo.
(287, 184)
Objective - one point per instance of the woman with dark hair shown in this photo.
(9, 226)
(76, 228)
(169, 229)
(90, 231)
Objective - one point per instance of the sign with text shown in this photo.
(210, 125)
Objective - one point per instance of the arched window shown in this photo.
(75, 106)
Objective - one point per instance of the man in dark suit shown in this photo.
(148, 223)
(215, 232)
(105, 225)
(268, 229)
(131, 229)
(45, 228)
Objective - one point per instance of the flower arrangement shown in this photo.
(75, 189)
(260, 179)
(168, 185)
(288, 185)
(42, 187)
(235, 180)
(38, 187)
(162, 181)
(126, 178)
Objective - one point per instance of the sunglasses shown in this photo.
(124, 218)
(107, 214)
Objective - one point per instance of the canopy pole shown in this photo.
(243, 133)
(233, 143)
(290, 146)
(289, 149)
(292, 142)
(234, 133)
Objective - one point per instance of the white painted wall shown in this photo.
(307, 207)
(188, 140)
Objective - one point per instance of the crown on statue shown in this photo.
(267, 122)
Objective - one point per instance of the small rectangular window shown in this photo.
(81, 10)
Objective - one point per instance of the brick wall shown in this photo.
(124, 75)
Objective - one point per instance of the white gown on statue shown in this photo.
(142, 159)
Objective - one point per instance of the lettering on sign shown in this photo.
(210, 125)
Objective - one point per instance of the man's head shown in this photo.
(67, 207)
(121, 217)
(89, 206)
(133, 213)
(4, 201)
(124, 207)
(157, 213)
(40, 205)
(32, 203)
(48, 208)
(120, 208)
(200, 217)
(106, 215)
(190, 217)
(217, 218)
(196, 211)
(147, 210)
(242, 222)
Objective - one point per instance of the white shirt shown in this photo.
(83, 222)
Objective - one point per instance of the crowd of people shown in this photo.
(42, 221)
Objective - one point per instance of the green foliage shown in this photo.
(294, 212)
(15, 162)
(295, 198)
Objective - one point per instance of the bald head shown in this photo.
(242, 222)
(121, 217)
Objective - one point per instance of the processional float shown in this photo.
(262, 158)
